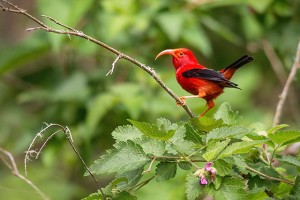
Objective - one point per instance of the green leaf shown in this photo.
(127, 132)
(193, 187)
(165, 171)
(227, 132)
(227, 115)
(132, 177)
(125, 196)
(178, 144)
(281, 137)
(217, 182)
(163, 130)
(193, 134)
(185, 165)
(276, 128)
(205, 123)
(239, 147)
(231, 188)
(223, 167)
(296, 189)
(152, 146)
(171, 24)
(126, 156)
(214, 149)
(94, 196)
(291, 160)
(240, 164)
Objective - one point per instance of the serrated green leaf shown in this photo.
(205, 123)
(239, 147)
(227, 132)
(226, 114)
(185, 165)
(223, 167)
(276, 128)
(291, 160)
(217, 182)
(193, 135)
(193, 188)
(124, 196)
(162, 130)
(152, 146)
(178, 144)
(127, 132)
(214, 149)
(132, 178)
(165, 171)
(126, 157)
(240, 163)
(231, 188)
(281, 137)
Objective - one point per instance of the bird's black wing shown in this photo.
(210, 75)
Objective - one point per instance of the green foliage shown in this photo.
(61, 79)
(192, 187)
(126, 157)
(234, 158)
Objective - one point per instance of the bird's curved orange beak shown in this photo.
(167, 52)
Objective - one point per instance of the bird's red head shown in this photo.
(180, 56)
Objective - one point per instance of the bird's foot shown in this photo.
(182, 103)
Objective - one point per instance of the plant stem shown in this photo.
(269, 177)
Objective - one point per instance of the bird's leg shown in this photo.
(210, 105)
(184, 101)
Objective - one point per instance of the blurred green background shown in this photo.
(45, 77)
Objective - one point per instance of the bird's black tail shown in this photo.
(239, 63)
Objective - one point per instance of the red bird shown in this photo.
(200, 81)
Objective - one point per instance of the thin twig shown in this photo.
(68, 135)
(283, 95)
(150, 166)
(270, 177)
(72, 31)
(14, 170)
(111, 71)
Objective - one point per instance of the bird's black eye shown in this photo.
(181, 54)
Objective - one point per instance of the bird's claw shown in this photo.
(182, 103)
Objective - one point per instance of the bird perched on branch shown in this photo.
(200, 81)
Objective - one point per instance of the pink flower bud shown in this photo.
(207, 166)
(203, 181)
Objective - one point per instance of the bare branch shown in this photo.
(65, 130)
(111, 71)
(14, 170)
(284, 93)
(71, 31)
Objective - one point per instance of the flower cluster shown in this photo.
(206, 171)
